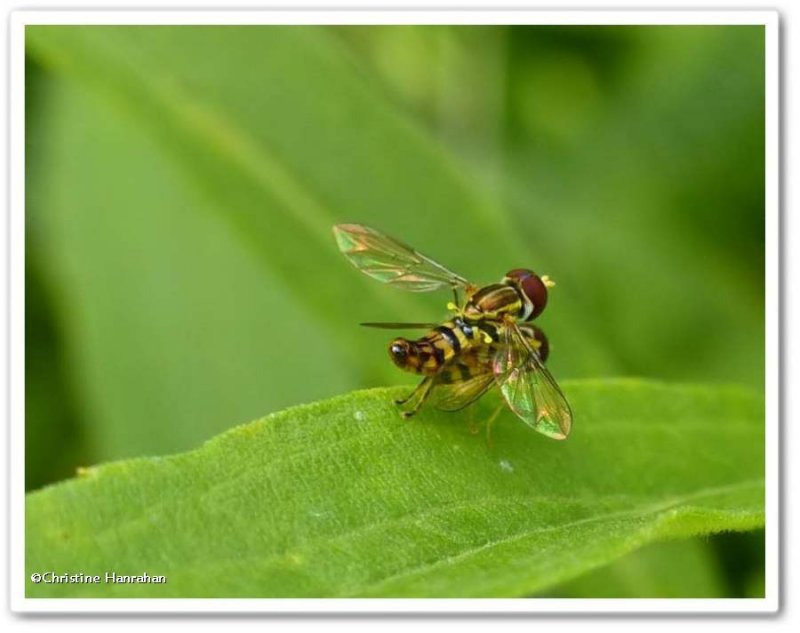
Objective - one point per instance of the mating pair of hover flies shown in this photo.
(487, 342)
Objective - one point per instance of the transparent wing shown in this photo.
(457, 395)
(392, 262)
(528, 388)
(463, 380)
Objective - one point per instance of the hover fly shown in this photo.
(487, 341)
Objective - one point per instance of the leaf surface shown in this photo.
(343, 498)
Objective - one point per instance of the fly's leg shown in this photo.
(472, 426)
(417, 397)
(490, 422)
(401, 401)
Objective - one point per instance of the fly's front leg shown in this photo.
(417, 397)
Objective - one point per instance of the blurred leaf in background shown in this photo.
(182, 182)
(631, 162)
(724, 565)
(672, 569)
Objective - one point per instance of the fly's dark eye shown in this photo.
(544, 345)
(534, 288)
(398, 350)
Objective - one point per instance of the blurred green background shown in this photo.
(181, 183)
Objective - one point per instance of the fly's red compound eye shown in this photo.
(537, 340)
(544, 345)
(532, 286)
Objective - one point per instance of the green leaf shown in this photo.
(343, 498)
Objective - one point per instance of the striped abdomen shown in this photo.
(471, 364)
(430, 353)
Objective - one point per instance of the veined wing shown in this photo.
(457, 395)
(528, 388)
(465, 379)
(390, 261)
